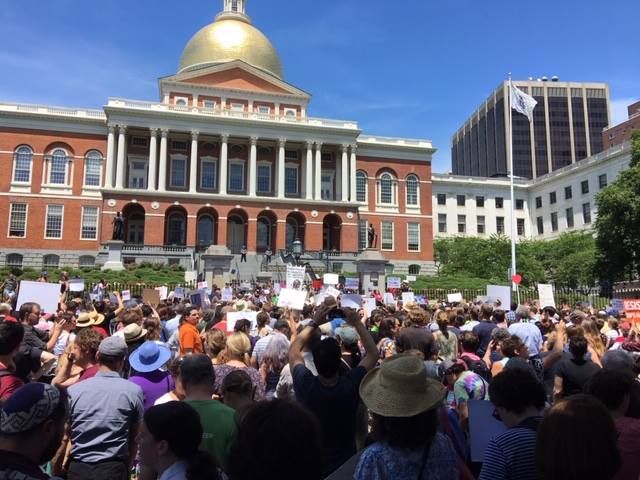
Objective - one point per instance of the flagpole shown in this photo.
(514, 286)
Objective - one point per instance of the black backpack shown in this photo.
(477, 366)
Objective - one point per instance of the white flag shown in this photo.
(521, 102)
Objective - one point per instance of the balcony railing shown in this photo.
(150, 249)
(49, 110)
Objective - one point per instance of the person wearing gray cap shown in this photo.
(106, 411)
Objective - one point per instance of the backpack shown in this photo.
(477, 366)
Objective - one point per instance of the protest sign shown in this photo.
(76, 285)
(47, 295)
(233, 317)
(227, 294)
(500, 293)
(408, 297)
(334, 292)
(370, 305)
(393, 282)
(351, 301)
(545, 294)
(293, 299)
(317, 284)
(202, 285)
(411, 278)
(331, 279)
(195, 299)
(245, 286)
(389, 299)
(351, 283)
(320, 296)
(483, 426)
(295, 277)
(178, 293)
(151, 296)
(617, 304)
(163, 292)
(454, 297)
(276, 288)
(632, 309)
(422, 300)
(126, 295)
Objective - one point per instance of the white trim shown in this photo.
(97, 223)
(213, 160)
(264, 163)
(177, 99)
(41, 195)
(393, 236)
(178, 156)
(49, 162)
(100, 170)
(419, 237)
(413, 206)
(405, 215)
(14, 182)
(46, 220)
(394, 191)
(26, 219)
(236, 161)
(366, 187)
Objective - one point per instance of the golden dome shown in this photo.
(231, 37)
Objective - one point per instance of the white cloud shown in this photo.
(619, 111)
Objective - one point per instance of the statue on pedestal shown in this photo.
(118, 227)
(372, 236)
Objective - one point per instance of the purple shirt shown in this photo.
(154, 385)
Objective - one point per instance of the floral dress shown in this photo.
(386, 348)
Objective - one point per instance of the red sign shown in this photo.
(517, 278)
(317, 284)
(632, 309)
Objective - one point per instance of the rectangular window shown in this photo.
(237, 107)
(208, 174)
(540, 223)
(519, 204)
(462, 223)
(137, 174)
(139, 141)
(386, 235)
(461, 199)
(584, 186)
(413, 237)
(554, 222)
(264, 110)
(500, 225)
(480, 225)
(361, 187)
(442, 199)
(362, 234)
(53, 227)
(58, 169)
(602, 181)
(18, 220)
(177, 145)
(552, 197)
(178, 172)
(569, 216)
(92, 171)
(291, 179)
(263, 175)
(499, 202)
(538, 202)
(442, 223)
(568, 193)
(236, 177)
(480, 201)
(520, 226)
(209, 105)
(89, 223)
(586, 213)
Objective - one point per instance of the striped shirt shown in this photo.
(510, 455)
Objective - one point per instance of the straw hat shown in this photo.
(134, 332)
(97, 318)
(84, 320)
(400, 388)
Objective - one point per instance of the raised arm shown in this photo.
(371, 350)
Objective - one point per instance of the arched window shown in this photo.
(387, 190)
(86, 261)
(50, 261)
(58, 170)
(92, 168)
(176, 229)
(414, 269)
(22, 164)
(206, 225)
(14, 260)
(181, 102)
(413, 184)
(361, 186)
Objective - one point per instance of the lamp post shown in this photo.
(297, 249)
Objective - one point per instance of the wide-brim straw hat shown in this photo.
(84, 320)
(134, 332)
(400, 388)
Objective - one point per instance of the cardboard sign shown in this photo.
(202, 285)
(163, 292)
(351, 301)
(411, 278)
(389, 299)
(370, 304)
(227, 295)
(351, 283)
(454, 297)
(500, 293)
(408, 297)
(393, 282)
(47, 295)
(178, 293)
(483, 426)
(545, 294)
(76, 285)
(295, 277)
(331, 279)
(151, 296)
(632, 309)
(293, 299)
(126, 295)
(233, 317)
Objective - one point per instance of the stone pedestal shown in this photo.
(371, 270)
(264, 277)
(216, 263)
(114, 262)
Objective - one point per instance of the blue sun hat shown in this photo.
(149, 356)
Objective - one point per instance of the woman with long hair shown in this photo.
(276, 356)
(387, 332)
(237, 357)
(596, 346)
(446, 341)
(215, 342)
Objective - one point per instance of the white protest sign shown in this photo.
(370, 304)
(233, 317)
(293, 299)
(393, 282)
(334, 292)
(320, 296)
(227, 294)
(202, 285)
(330, 279)
(545, 294)
(126, 295)
(47, 295)
(454, 297)
(411, 278)
(351, 301)
(389, 299)
(163, 292)
(295, 277)
(76, 285)
(351, 283)
(500, 293)
(408, 297)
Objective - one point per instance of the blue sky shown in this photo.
(415, 68)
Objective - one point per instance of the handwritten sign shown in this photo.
(389, 299)
(293, 299)
(76, 285)
(202, 285)
(126, 295)
(454, 297)
(295, 277)
(393, 282)
(227, 294)
(632, 309)
(163, 292)
(351, 283)
(233, 317)
(408, 297)
(545, 294)
(151, 296)
(331, 279)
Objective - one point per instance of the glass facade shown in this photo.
(559, 127)
(579, 128)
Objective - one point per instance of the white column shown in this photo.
(224, 138)
(308, 172)
(352, 174)
(111, 152)
(281, 144)
(253, 156)
(345, 173)
(153, 160)
(122, 148)
(193, 171)
(162, 174)
(277, 110)
(318, 172)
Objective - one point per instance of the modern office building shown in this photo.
(621, 133)
(567, 127)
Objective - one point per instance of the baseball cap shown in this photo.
(113, 347)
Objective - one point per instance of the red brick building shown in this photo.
(621, 133)
(227, 156)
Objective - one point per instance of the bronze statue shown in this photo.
(371, 236)
(118, 226)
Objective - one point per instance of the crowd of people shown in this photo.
(111, 389)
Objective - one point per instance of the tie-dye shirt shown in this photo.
(470, 386)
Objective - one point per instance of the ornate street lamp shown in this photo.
(297, 250)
